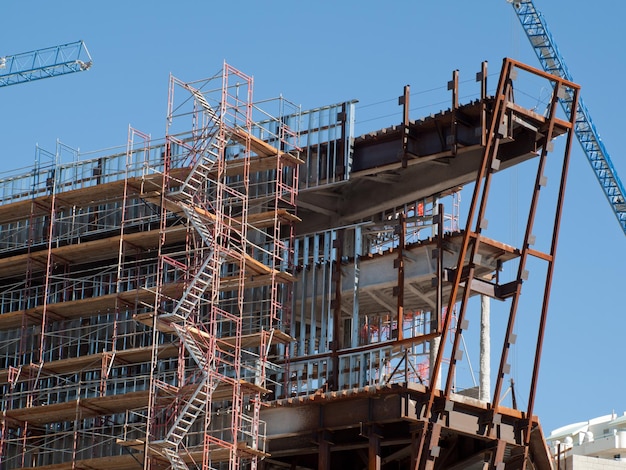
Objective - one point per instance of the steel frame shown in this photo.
(437, 405)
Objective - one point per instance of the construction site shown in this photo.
(261, 288)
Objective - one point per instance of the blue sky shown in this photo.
(317, 53)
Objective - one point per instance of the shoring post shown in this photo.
(482, 78)
(453, 85)
(404, 102)
(336, 306)
(399, 265)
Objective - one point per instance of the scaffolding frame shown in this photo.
(116, 247)
(236, 236)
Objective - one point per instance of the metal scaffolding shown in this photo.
(154, 276)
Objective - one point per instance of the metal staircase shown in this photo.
(193, 294)
(224, 266)
(201, 396)
(175, 459)
(180, 319)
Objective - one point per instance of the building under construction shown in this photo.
(264, 289)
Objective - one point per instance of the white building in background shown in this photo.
(599, 443)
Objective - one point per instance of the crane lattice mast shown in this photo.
(44, 63)
(551, 60)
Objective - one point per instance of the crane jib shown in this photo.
(44, 63)
(551, 61)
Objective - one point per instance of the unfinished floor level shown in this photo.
(264, 289)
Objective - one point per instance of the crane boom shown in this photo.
(44, 63)
(552, 62)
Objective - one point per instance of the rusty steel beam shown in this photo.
(300, 428)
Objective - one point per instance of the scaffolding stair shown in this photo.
(200, 171)
(200, 98)
(191, 297)
(197, 402)
(201, 345)
(209, 154)
(195, 350)
(194, 407)
(198, 223)
(175, 459)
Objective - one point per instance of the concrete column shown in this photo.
(485, 349)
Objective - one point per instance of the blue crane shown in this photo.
(44, 63)
(551, 60)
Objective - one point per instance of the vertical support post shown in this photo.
(479, 201)
(522, 274)
(355, 291)
(323, 456)
(482, 78)
(336, 306)
(326, 277)
(417, 431)
(399, 265)
(453, 85)
(497, 455)
(485, 349)
(439, 295)
(479, 196)
(374, 460)
(313, 296)
(433, 433)
(404, 102)
(304, 282)
(293, 346)
(435, 321)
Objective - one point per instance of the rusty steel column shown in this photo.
(404, 102)
(374, 460)
(482, 78)
(435, 321)
(323, 456)
(479, 201)
(336, 306)
(399, 265)
(417, 431)
(497, 455)
(453, 85)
